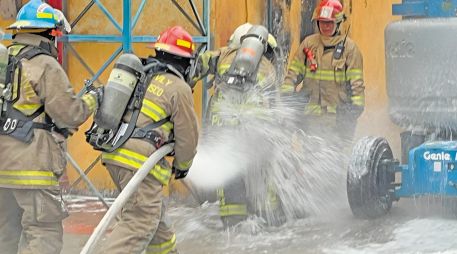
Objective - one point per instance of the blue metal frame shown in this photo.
(126, 38)
(127, 27)
(426, 8)
(117, 38)
(206, 22)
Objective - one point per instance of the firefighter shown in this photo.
(235, 205)
(34, 131)
(331, 68)
(167, 104)
(215, 63)
(210, 65)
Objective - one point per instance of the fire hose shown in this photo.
(123, 197)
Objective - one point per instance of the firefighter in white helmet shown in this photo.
(235, 206)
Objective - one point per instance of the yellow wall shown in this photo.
(156, 16)
(166, 14)
(228, 15)
(367, 18)
(291, 16)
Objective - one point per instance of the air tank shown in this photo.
(117, 93)
(3, 72)
(3, 64)
(421, 72)
(250, 52)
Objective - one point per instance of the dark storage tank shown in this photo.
(421, 72)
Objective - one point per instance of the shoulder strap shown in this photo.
(25, 131)
(137, 102)
(42, 49)
(33, 52)
(14, 61)
(152, 67)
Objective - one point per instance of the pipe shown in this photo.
(86, 180)
(57, 4)
(88, 169)
(85, 10)
(183, 12)
(194, 9)
(120, 201)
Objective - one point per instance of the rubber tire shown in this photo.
(368, 182)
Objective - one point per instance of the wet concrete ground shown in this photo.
(408, 228)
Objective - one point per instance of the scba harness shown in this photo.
(242, 73)
(13, 122)
(106, 135)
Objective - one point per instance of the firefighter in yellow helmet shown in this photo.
(38, 110)
(235, 206)
(330, 66)
(163, 114)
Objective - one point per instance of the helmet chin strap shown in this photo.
(56, 33)
(337, 29)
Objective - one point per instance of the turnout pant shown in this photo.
(142, 224)
(250, 194)
(31, 221)
(233, 203)
(337, 130)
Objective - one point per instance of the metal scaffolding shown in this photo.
(126, 38)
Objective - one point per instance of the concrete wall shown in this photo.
(367, 18)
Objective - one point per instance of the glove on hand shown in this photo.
(349, 110)
(193, 74)
(356, 110)
(98, 94)
(179, 174)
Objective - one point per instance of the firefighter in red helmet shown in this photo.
(166, 115)
(175, 41)
(330, 67)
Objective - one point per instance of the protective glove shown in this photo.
(193, 73)
(349, 110)
(98, 94)
(179, 174)
(356, 110)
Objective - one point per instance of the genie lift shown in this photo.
(421, 55)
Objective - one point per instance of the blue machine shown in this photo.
(425, 8)
(432, 170)
(422, 91)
